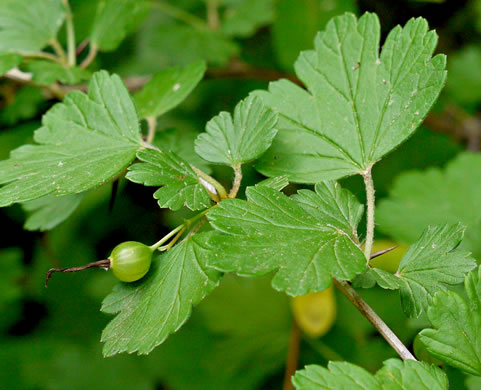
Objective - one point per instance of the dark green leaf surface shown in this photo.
(272, 232)
(168, 89)
(395, 375)
(11, 271)
(157, 305)
(430, 264)
(180, 184)
(433, 197)
(244, 17)
(233, 142)
(85, 141)
(48, 72)
(359, 105)
(28, 26)
(114, 20)
(312, 15)
(208, 45)
(455, 338)
(27, 102)
(9, 61)
(47, 212)
(462, 67)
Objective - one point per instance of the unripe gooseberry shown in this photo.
(130, 260)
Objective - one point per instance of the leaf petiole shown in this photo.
(57, 47)
(72, 59)
(177, 232)
(370, 200)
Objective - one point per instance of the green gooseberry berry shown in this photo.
(130, 260)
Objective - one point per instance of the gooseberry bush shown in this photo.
(256, 195)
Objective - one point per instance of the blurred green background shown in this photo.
(238, 337)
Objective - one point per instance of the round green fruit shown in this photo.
(130, 260)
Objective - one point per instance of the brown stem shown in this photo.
(292, 356)
(238, 69)
(374, 319)
(96, 264)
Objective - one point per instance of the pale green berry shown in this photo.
(130, 260)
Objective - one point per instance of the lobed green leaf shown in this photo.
(270, 232)
(359, 105)
(395, 375)
(430, 265)
(233, 142)
(85, 141)
(180, 184)
(457, 326)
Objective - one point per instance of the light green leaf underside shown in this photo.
(49, 211)
(359, 105)
(28, 26)
(9, 61)
(48, 72)
(180, 184)
(430, 264)
(395, 375)
(455, 338)
(272, 232)
(85, 141)
(114, 20)
(241, 140)
(156, 306)
(432, 197)
(167, 89)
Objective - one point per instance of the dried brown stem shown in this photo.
(292, 356)
(96, 264)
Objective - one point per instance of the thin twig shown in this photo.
(70, 34)
(237, 180)
(82, 46)
(90, 56)
(292, 356)
(370, 200)
(237, 69)
(374, 319)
